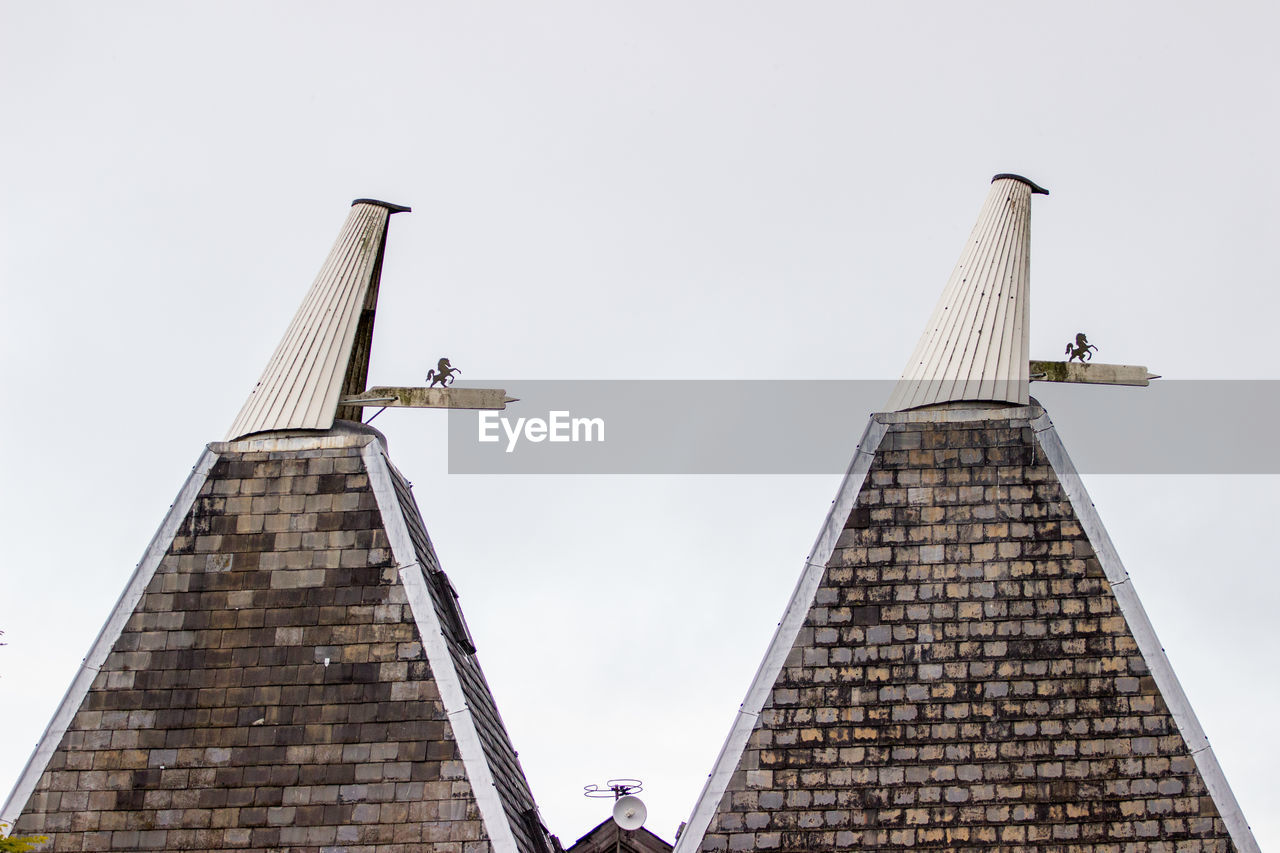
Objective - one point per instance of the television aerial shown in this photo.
(629, 811)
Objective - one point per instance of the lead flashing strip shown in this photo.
(961, 413)
(465, 732)
(784, 638)
(1145, 635)
(284, 443)
(106, 639)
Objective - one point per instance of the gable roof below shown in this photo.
(608, 837)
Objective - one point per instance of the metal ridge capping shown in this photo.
(1144, 634)
(301, 384)
(976, 345)
(461, 717)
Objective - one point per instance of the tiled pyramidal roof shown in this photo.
(288, 668)
(965, 665)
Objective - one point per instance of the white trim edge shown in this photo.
(106, 639)
(492, 812)
(1145, 635)
(783, 639)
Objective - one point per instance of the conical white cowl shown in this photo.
(302, 383)
(975, 347)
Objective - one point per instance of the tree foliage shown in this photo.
(18, 844)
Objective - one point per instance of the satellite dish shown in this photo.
(629, 812)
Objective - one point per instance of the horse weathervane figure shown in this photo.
(1080, 350)
(442, 375)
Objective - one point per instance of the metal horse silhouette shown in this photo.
(1080, 350)
(442, 375)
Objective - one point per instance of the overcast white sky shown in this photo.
(605, 190)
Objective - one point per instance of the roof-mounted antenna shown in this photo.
(616, 788)
(629, 811)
